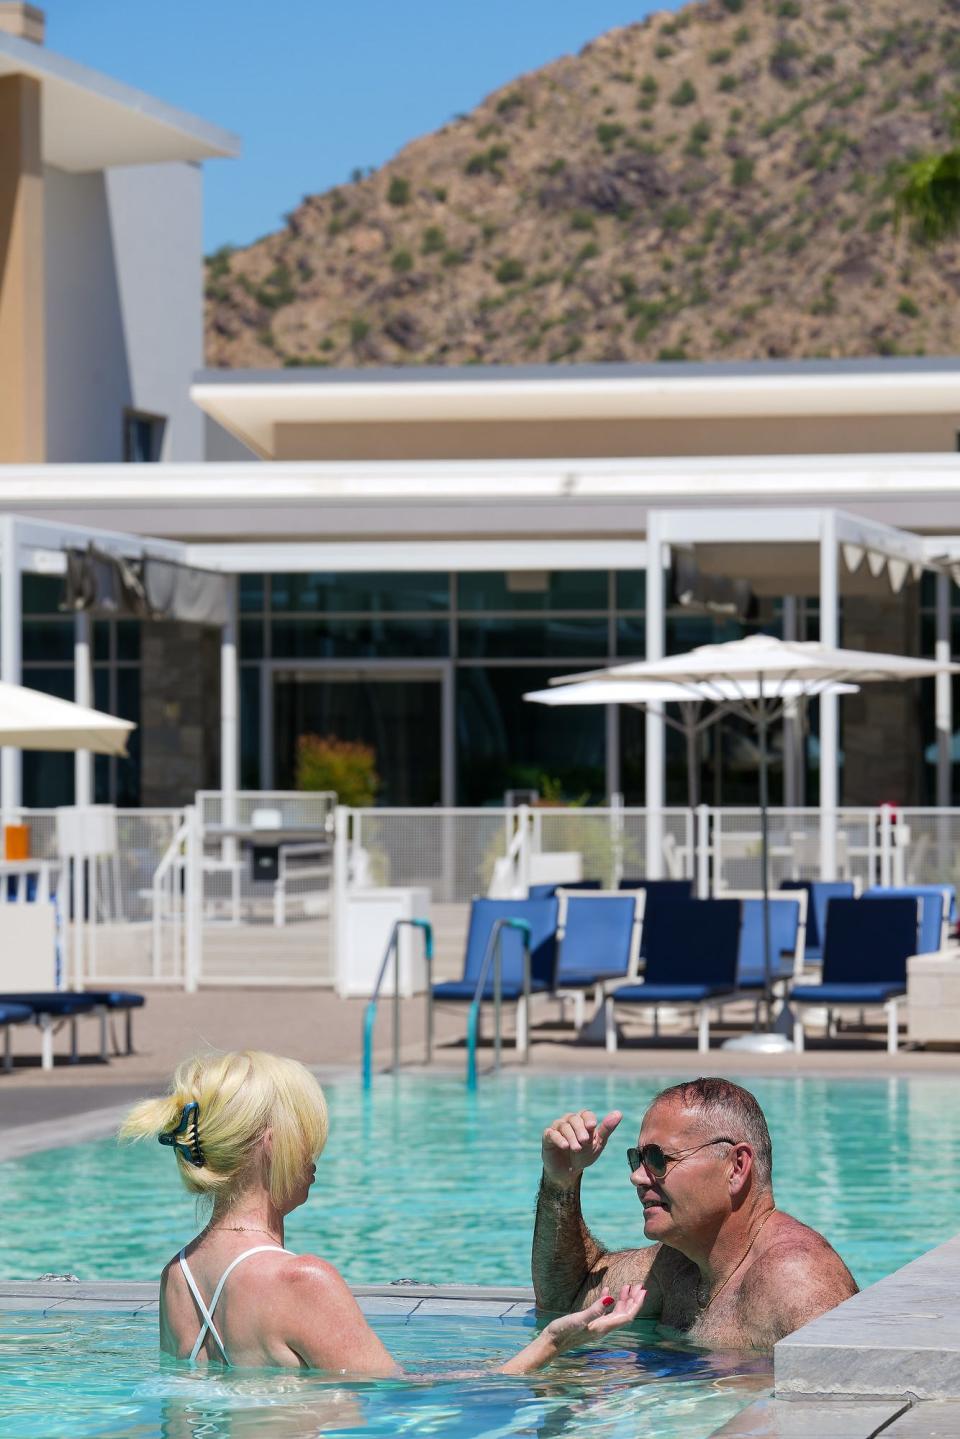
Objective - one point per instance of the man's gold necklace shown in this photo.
(704, 1304)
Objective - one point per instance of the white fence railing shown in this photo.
(175, 896)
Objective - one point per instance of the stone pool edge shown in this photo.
(792, 1412)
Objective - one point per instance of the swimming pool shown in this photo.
(102, 1376)
(425, 1181)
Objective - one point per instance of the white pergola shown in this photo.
(783, 550)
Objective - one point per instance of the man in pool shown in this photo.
(727, 1267)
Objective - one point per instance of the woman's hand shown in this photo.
(564, 1333)
(599, 1318)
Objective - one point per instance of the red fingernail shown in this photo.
(607, 1302)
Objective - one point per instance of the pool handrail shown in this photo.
(493, 952)
(370, 1013)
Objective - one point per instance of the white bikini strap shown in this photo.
(208, 1324)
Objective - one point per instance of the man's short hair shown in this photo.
(730, 1110)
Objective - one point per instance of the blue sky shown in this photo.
(314, 89)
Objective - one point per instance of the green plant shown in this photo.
(789, 9)
(359, 330)
(509, 102)
(675, 217)
(742, 35)
(218, 263)
(684, 94)
(348, 767)
(727, 83)
(402, 261)
(719, 57)
(398, 191)
(734, 6)
(557, 166)
(663, 52)
(608, 132)
(433, 240)
(672, 352)
(907, 306)
(509, 271)
(589, 251)
(581, 220)
(487, 161)
(648, 85)
(741, 172)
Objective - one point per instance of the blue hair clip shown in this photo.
(189, 1146)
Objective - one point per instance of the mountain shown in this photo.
(712, 183)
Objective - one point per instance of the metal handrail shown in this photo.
(370, 1013)
(493, 952)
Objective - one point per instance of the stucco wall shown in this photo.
(124, 318)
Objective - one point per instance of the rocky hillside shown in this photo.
(713, 183)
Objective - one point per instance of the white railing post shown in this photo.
(527, 839)
(886, 845)
(702, 821)
(338, 898)
(193, 901)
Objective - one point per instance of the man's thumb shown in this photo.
(608, 1124)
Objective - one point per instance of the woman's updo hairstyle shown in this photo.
(238, 1097)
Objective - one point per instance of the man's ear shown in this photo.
(741, 1167)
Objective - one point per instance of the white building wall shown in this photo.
(124, 313)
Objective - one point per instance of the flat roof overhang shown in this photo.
(251, 404)
(91, 122)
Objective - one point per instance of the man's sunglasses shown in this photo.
(657, 1160)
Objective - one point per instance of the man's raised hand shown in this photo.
(573, 1142)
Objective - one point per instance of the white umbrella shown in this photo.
(690, 700)
(30, 719)
(771, 664)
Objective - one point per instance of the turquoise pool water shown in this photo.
(101, 1376)
(424, 1181)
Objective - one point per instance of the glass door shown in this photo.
(398, 712)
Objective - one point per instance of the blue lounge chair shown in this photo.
(784, 937)
(658, 892)
(819, 894)
(541, 915)
(599, 942)
(934, 910)
(865, 952)
(12, 1014)
(48, 1011)
(548, 891)
(118, 1001)
(692, 952)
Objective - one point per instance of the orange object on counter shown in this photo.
(16, 841)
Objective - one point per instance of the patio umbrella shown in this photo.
(692, 722)
(771, 665)
(30, 719)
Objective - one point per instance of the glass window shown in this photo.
(128, 770)
(142, 437)
(631, 638)
(533, 590)
(42, 594)
(48, 640)
(508, 639)
(101, 641)
(359, 639)
(631, 589)
(340, 593)
(504, 742)
(250, 591)
(249, 727)
(128, 641)
(251, 639)
(48, 776)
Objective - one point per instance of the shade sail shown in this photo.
(764, 658)
(30, 719)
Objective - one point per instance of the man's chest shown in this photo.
(728, 1321)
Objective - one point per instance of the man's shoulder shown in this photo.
(801, 1270)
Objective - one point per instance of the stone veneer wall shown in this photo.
(881, 725)
(180, 712)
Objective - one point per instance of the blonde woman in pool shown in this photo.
(246, 1130)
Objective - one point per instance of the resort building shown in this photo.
(407, 552)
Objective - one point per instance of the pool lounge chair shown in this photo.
(819, 894)
(657, 892)
(865, 952)
(549, 891)
(692, 949)
(786, 943)
(541, 915)
(49, 1011)
(934, 910)
(599, 943)
(12, 1014)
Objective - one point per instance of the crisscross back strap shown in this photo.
(208, 1325)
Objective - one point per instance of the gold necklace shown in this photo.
(704, 1304)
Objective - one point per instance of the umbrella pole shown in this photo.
(765, 855)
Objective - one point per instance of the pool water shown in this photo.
(102, 1376)
(422, 1180)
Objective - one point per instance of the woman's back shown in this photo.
(249, 1315)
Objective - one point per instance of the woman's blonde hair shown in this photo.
(239, 1096)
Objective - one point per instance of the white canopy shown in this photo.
(643, 692)
(772, 663)
(30, 719)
